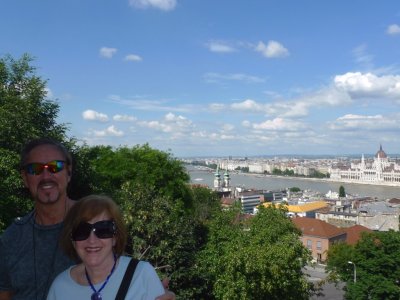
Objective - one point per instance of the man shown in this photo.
(30, 257)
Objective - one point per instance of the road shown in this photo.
(329, 290)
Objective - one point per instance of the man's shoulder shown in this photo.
(23, 220)
(19, 224)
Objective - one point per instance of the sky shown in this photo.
(217, 77)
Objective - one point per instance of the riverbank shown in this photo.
(328, 180)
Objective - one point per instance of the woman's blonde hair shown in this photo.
(86, 209)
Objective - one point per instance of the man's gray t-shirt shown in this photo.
(30, 258)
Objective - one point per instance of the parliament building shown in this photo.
(379, 170)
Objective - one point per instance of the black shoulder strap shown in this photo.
(123, 288)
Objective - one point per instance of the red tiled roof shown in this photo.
(315, 227)
(227, 201)
(354, 233)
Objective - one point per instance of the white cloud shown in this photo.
(362, 57)
(369, 85)
(178, 120)
(149, 105)
(199, 134)
(272, 50)
(107, 52)
(216, 107)
(216, 77)
(248, 105)
(228, 127)
(170, 124)
(301, 106)
(393, 29)
(159, 4)
(246, 123)
(220, 47)
(156, 125)
(227, 137)
(124, 118)
(110, 131)
(360, 122)
(279, 124)
(133, 57)
(91, 115)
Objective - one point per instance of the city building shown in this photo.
(381, 169)
(318, 236)
(223, 184)
(303, 210)
(354, 233)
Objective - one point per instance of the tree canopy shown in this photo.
(25, 113)
(376, 257)
(342, 192)
(257, 258)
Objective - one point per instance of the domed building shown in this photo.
(380, 154)
(379, 170)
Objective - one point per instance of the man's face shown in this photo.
(46, 187)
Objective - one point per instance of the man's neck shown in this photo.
(53, 213)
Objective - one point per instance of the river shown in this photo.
(276, 183)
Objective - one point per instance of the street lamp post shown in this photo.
(355, 271)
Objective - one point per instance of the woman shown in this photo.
(94, 233)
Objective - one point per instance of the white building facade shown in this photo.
(380, 170)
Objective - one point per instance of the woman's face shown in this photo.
(96, 252)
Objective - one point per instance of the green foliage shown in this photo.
(143, 165)
(162, 233)
(84, 179)
(295, 189)
(318, 174)
(14, 200)
(339, 254)
(205, 203)
(377, 260)
(257, 258)
(342, 192)
(25, 113)
(243, 169)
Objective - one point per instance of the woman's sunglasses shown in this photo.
(102, 229)
(54, 166)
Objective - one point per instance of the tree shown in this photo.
(25, 113)
(377, 260)
(342, 192)
(161, 232)
(295, 189)
(143, 165)
(257, 258)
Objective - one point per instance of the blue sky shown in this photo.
(218, 77)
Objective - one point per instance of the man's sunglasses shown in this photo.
(102, 229)
(54, 166)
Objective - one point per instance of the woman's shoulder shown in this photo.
(142, 265)
(64, 275)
